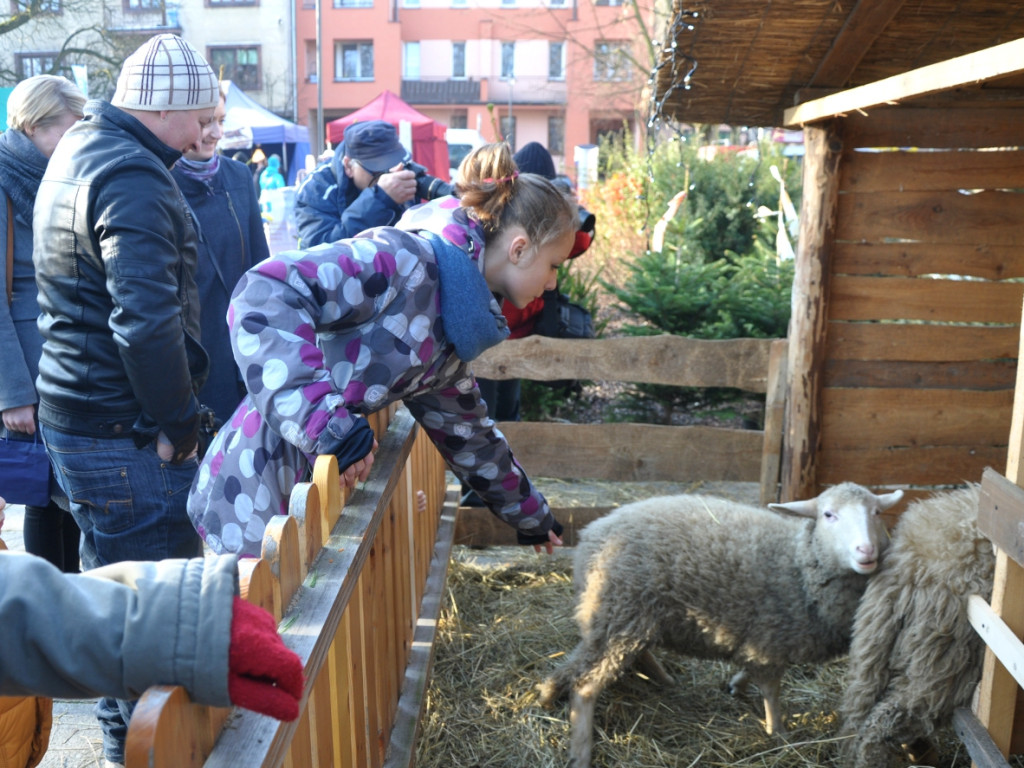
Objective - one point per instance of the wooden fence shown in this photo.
(622, 452)
(357, 588)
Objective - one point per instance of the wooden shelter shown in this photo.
(906, 322)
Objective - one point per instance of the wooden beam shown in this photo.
(809, 317)
(972, 68)
(663, 359)
(866, 22)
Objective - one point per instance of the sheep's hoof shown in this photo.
(547, 693)
(739, 684)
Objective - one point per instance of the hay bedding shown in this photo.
(508, 619)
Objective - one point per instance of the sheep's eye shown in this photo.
(830, 515)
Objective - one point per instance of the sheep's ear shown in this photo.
(887, 500)
(808, 508)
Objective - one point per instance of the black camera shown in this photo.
(587, 220)
(428, 187)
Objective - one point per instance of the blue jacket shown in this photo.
(231, 240)
(330, 207)
(20, 342)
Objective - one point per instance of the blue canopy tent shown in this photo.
(248, 125)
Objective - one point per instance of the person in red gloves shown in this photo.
(119, 629)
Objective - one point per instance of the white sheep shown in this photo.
(717, 579)
(914, 656)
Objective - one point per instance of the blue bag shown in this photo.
(24, 472)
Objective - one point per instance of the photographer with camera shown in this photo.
(369, 182)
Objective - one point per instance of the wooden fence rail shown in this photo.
(356, 588)
(638, 452)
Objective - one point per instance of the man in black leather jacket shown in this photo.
(115, 255)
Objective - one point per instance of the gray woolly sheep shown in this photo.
(914, 656)
(717, 579)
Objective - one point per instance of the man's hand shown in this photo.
(165, 448)
(399, 184)
(23, 418)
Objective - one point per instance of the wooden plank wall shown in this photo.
(349, 582)
(924, 298)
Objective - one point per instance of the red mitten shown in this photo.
(263, 675)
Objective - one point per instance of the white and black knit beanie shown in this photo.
(166, 73)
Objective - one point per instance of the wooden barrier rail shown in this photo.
(356, 588)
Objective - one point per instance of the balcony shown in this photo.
(441, 91)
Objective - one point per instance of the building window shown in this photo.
(459, 3)
(508, 3)
(144, 5)
(45, 6)
(508, 60)
(459, 119)
(353, 3)
(353, 60)
(607, 2)
(556, 61)
(240, 65)
(508, 130)
(556, 135)
(310, 61)
(229, 3)
(32, 64)
(411, 61)
(611, 60)
(410, 3)
(458, 59)
(556, 3)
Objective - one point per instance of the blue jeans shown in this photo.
(130, 505)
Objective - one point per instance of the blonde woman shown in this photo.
(39, 111)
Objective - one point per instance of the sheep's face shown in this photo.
(849, 523)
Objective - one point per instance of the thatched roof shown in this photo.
(756, 58)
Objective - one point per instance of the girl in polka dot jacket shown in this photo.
(324, 336)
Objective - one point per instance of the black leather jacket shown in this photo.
(115, 258)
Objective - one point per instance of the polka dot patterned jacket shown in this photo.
(325, 335)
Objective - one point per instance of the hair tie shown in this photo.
(513, 177)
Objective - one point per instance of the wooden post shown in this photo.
(997, 700)
(823, 150)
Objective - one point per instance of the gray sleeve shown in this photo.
(117, 630)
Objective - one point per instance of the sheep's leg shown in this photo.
(769, 685)
(651, 667)
(600, 667)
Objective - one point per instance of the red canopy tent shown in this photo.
(429, 147)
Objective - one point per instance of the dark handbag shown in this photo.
(563, 319)
(24, 472)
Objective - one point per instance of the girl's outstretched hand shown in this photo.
(359, 471)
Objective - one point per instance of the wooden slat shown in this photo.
(873, 172)
(978, 259)
(664, 359)
(980, 747)
(1001, 514)
(962, 374)
(999, 638)
(992, 217)
(412, 701)
(920, 342)
(774, 417)
(859, 418)
(934, 128)
(898, 298)
(994, 62)
(635, 452)
(913, 465)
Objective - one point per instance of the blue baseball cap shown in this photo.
(374, 145)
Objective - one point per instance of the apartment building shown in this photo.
(561, 72)
(250, 42)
